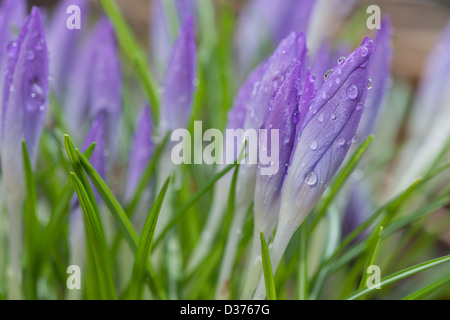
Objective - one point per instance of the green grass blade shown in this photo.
(401, 275)
(192, 201)
(134, 53)
(373, 246)
(429, 289)
(267, 267)
(97, 242)
(303, 264)
(339, 182)
(121, 219)
(31, 227)
(144, 249)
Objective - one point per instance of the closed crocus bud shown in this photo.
(324, 140)
(25, 99)
(76, 101)
(62, 38)
(179, 82)
(12, 17)
(379, 73)
(141, 151)
(106, 90)
(162, 35)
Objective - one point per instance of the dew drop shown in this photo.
(31, 55)
(369, 84)
(12, 48)
(364, 52)
(314, 145)
(355, 138)
(341, 59)
(341, 141)
(324, 95)
(327, 74)
(333, 116)
(295, 117)
(338, 80)
(311, 178)
(321, 117)
(352, 92)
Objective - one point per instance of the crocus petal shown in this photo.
(62, 41)
(179, 83)
(326, 136)
(268, 187)
(106, 82)
(141, 151)
(379, 72)
(25, 95)
(12, 17)
(292, 48)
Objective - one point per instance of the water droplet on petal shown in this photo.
(314, 145)
(352, 92)
(364, 52)
(321, 117)
(341, 141)
(12, 48)
(295, 117)
(324, 95)
(338, 80)
(341, 59)
(355, 138)
(31, 55)
(311, 178)
(327, 74)
(333, 116)
(369, 84)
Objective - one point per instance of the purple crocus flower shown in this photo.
(105, 95)
(24, 101)
(141, 151)
(179, 82)
(324, 140)
(62, 42)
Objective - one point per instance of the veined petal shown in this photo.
(268, 186)
(292, 48)
(326, 136)
(141, 151)
(179, 83)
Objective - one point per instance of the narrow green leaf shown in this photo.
(372, 246)
(192, 201)
(429, 289)
(339, 181)
(121, 219)
(97, 242)
(267, 267)
(303, 264)
(400, 275)
(31, 227)
(144, 248)
(134, 53)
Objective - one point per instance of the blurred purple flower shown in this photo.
(268, 22)
(62, 42)
(106, 90)
(141, 151)
(179, 82)
(161, 37)
(25, 95)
